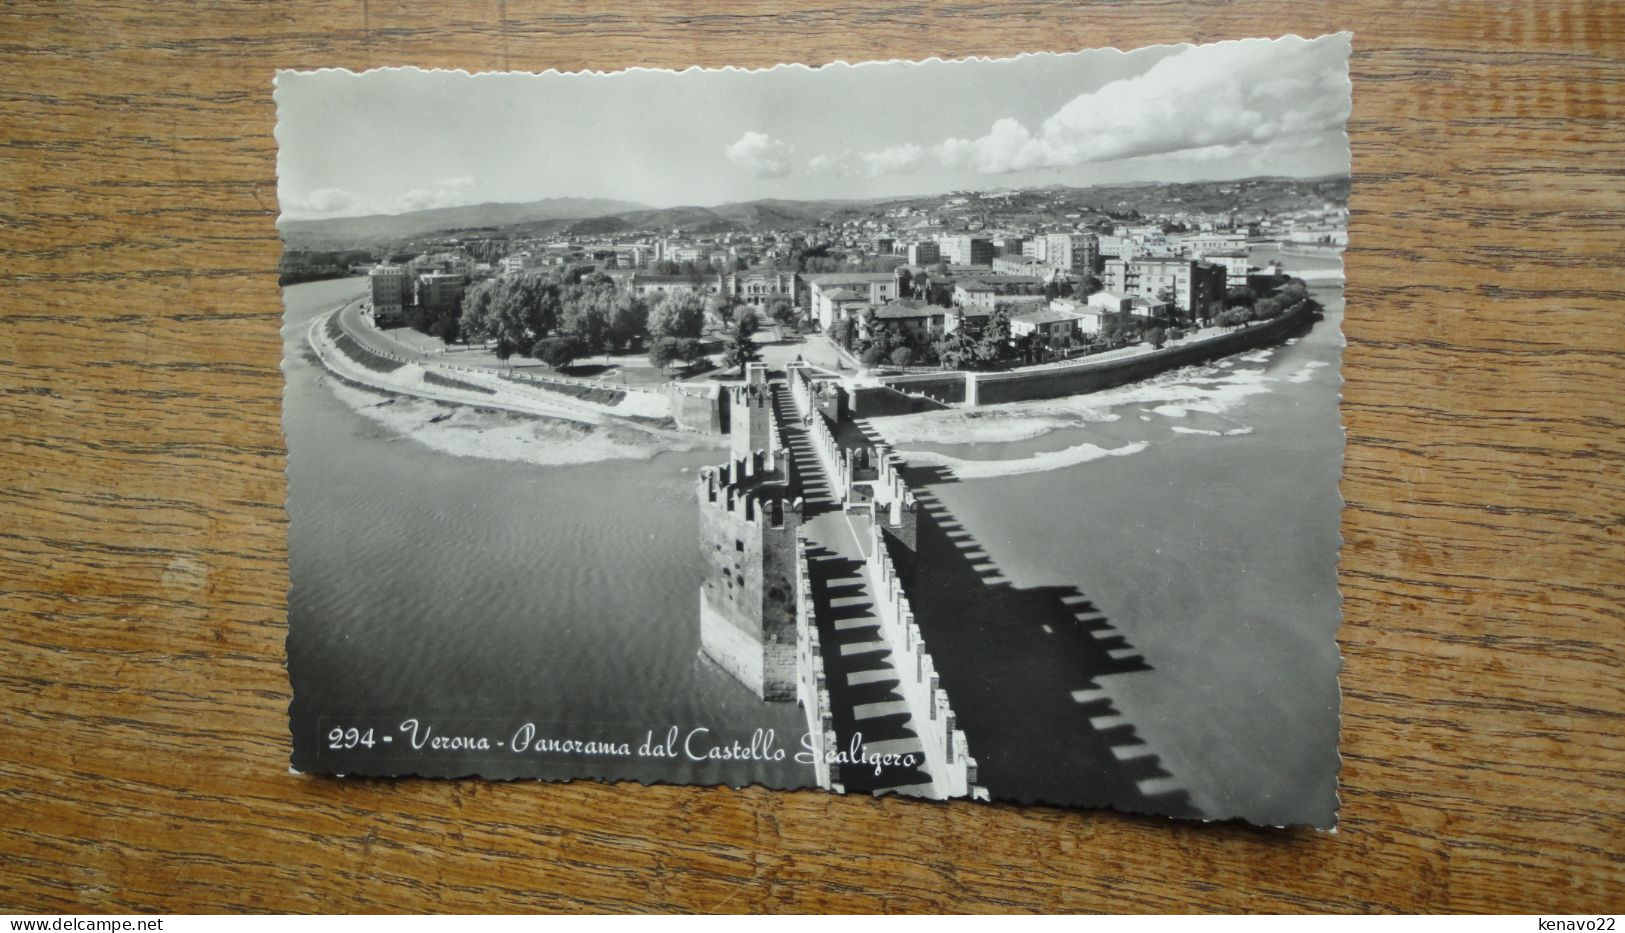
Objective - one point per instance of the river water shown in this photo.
(478, 595)
(1207, 550)
(481, 594)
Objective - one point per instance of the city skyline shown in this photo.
(398, 140)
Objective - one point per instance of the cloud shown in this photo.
(844, 165)
(323, 201)
(760, 154)
(420, 199)
(895, 160)
(1208, 101)
(338, 202)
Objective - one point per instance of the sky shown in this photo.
(393, 140)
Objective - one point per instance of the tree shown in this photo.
(476, 319)
(1232, 317)
(1165, 296)
(444, 327)
(722, 307)
(665, 351)
(1158, 337)
(902, 356)
(559, 352)
(741, 349)
(840, 331)
(1240, 297)
(958, 349)
(993, 343)
(781, 312)
(679, 314)
(587, 319)
(628, 322)
(504, 351)
(689, 349)
(882, 338)
(1211, 310)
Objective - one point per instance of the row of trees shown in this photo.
(1289, 296)
(972, 346)
(564, 315)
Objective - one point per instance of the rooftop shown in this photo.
(846, 278)
(658, 277)
(1045, 316)
(907, 309)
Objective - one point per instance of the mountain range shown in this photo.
(380, 227)
(587, 216)
(608, 217)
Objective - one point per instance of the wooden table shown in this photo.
(143, 568)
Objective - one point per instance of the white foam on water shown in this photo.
(1038, 463)
(1305, 372)
(465, 432)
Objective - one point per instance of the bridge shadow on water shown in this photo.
(1022, 670)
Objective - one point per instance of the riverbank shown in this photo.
(479, 414)
(1030, 437)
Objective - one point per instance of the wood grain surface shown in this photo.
(143, 694)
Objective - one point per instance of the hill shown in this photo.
(378, 228)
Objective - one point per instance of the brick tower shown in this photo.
(749, 513)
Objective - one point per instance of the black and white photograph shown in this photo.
(948, 429)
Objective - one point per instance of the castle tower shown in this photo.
(748, 600)
(750, 415)
(749, 514)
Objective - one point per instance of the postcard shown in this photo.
(962, 430)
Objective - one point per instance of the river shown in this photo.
(1208, 544)
(476, 595)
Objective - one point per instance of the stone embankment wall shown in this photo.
(899, 394)
(907, 394)
(698, 407)
(993, 388)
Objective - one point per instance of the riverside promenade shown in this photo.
(350, 347)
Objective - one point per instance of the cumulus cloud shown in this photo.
(844, 165)
(338, 202)
(895, 160)
(1208, 101)
(420, 199)
(760, 154)
(323, 201)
